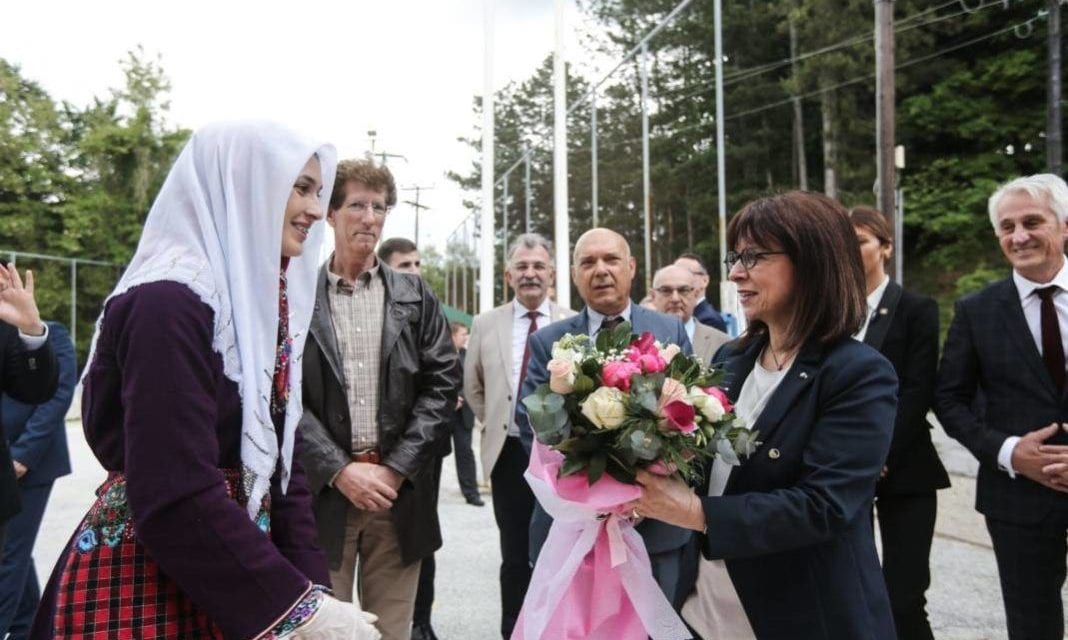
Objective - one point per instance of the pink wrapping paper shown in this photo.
(593, 579)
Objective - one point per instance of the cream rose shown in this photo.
(669, 352)
(604, 407)
(561, 376)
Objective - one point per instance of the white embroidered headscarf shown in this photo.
(216, 227)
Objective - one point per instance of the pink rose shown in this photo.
(561, 376)
(718, 394)
(678, 416)
(645, 352)
(669, 352)
(617, 374)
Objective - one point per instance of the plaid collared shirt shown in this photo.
(357, 309)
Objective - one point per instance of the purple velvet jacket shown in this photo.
(157, 407)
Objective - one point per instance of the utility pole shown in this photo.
(371, 135)
(884, 111)
(1054, 152)
(418, 189)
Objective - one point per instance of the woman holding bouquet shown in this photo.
(785, 546)
(203, 528)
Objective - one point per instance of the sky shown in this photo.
(407, 69)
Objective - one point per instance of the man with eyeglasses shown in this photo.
(380, 386)
(674, 294)
(497, 355)
(703, 311)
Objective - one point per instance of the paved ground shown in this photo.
(965, 602)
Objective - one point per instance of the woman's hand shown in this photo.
(337, 620)
(669, 500)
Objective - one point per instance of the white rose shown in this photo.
(710, 407)
(604, 407)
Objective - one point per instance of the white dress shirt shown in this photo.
(873, 303)
(33, 343)
(520, 331)
(597, 318)
(1032, 310)
(691, 327)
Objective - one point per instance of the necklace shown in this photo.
(775, 359)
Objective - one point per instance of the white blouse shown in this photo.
(714, 609)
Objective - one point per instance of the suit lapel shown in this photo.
(503, 329)
(1016, 327)
(879, 324)
(797, 379)
(322, 326)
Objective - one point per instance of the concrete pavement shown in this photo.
(964, 599)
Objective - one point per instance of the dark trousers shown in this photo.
(513, 504)
(906, 525)
(1031, 566)
(19, 591)
(465, 458)
(424, 594)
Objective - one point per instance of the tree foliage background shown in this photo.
(77, 182)
(971, 89)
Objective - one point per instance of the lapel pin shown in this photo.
(773, 454)
(804, 375)
(883, 311)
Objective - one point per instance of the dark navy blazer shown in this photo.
(659, 537)
(989, 350)
(794, 522)
(37, 434)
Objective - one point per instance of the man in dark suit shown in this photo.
(28, 369)
(705, 313)
(603, 271)
(37, 437)
(1007, 341)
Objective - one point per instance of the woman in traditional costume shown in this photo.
(191, 397)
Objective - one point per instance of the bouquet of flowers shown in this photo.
(612, 406)
(618, 403)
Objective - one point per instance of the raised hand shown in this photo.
(17, 305)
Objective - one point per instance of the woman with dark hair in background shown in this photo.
(785, 546)
(903, 326)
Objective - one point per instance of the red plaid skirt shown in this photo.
(111, 588)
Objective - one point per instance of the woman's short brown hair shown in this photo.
(366, 173)
(816, 234)
(874, 221)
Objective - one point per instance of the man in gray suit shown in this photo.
(673, 293)
(603, 271)
(496, 353)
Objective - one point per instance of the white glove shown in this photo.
(337, 620)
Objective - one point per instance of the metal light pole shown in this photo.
(647, 203)
(486, 258)
(526, 187)
(728, 293)
(561, 216)
(593, 156)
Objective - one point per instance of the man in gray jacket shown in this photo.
(380, 381)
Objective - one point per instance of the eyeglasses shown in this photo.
(668, 291)
(376, 208)
(749, 258)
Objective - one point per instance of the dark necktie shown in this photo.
(533, 315)
(1052, 347)
(611, 323)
